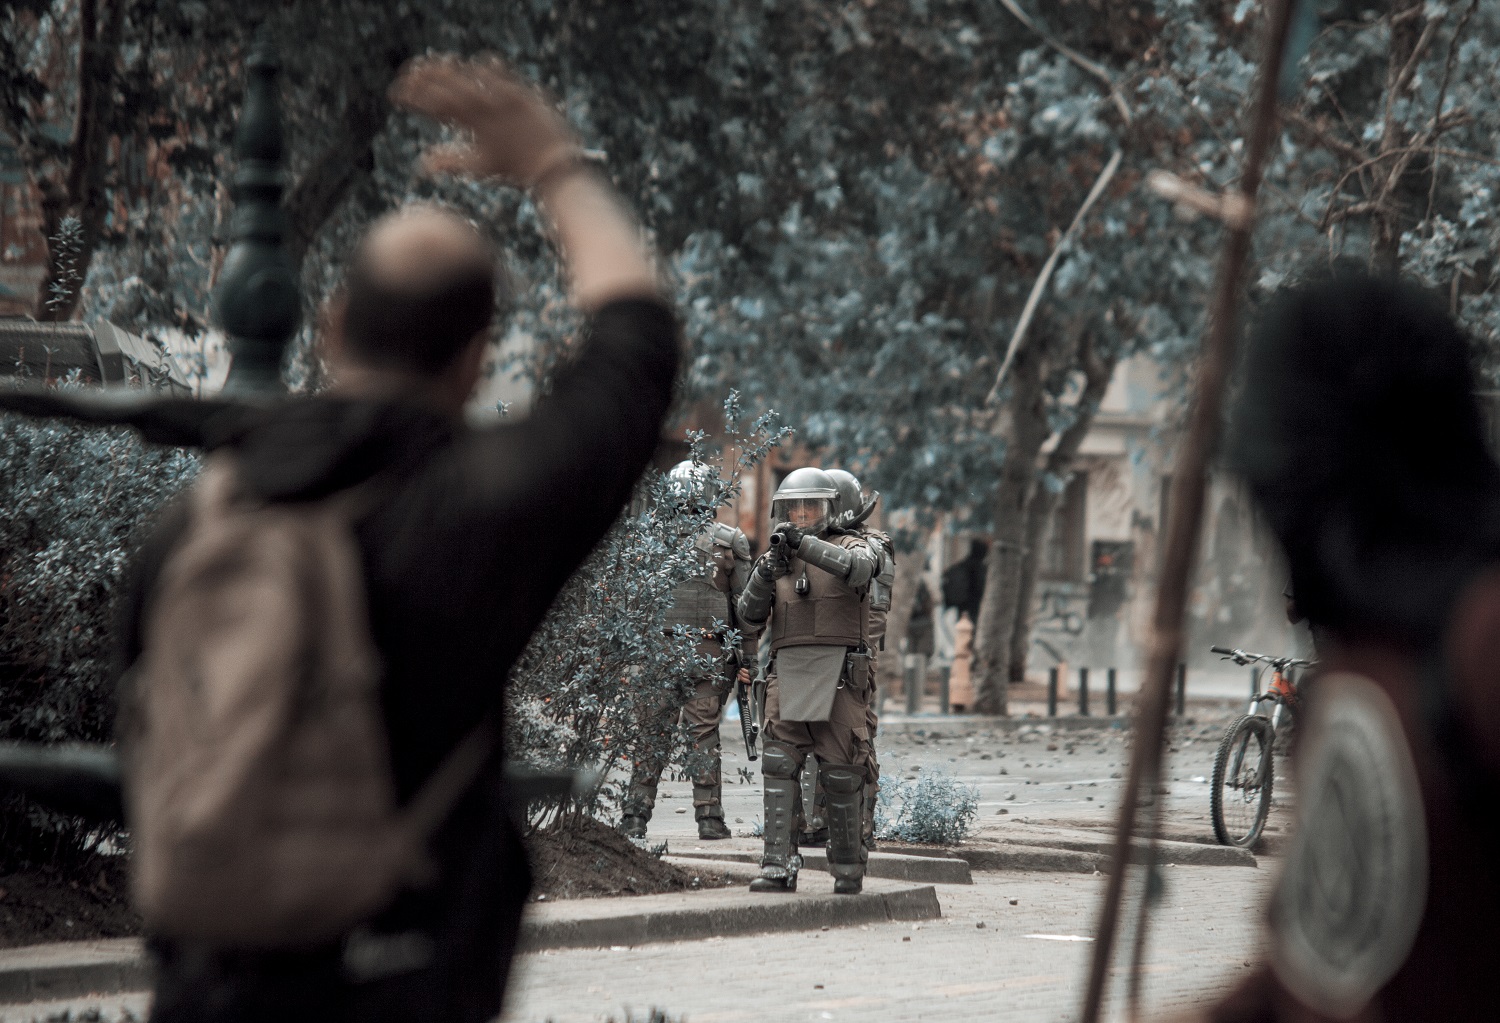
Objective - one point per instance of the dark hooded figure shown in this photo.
(1358, 432)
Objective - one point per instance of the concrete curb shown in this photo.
(1192, 854)
(1066, 856)
(72, 969)
(724, 912)
(66, 969)
(897, 866)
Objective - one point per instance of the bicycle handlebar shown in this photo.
(1245, 657)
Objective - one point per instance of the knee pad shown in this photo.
(842, 778)
(778, 760)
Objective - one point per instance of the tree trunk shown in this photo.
(81, 191)
(898, 622)
(346, 161)
(1044, 504)
(1026, 431)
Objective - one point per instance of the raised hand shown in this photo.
(518, 135)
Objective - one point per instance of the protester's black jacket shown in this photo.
(478, 532)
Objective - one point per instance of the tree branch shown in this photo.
(1040, 285)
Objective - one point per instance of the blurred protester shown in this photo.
(458, 541)
(1358, 432)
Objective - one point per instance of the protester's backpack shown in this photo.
(259, 793)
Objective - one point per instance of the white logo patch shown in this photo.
(1347, 909)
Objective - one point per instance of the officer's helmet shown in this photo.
(851, 496)
(691, 482)
(805, 499)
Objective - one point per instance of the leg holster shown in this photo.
(779, 771)
(844, 792)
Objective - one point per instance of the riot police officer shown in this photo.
(702, 604)
(812, 588)
(851, 510)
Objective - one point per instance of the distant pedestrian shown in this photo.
(340, 598)
(963, 582)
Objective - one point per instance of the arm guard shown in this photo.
(854, 565)
(885, 576)
(754, 604)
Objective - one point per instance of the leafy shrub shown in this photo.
(76, 500)
(936, 809)
(602, 663)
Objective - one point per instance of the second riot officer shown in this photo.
(851, 510)
(812, 588)
(702, 604)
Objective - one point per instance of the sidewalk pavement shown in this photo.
(1023, 964)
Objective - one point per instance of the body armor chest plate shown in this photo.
(830, 613)
(701, 599)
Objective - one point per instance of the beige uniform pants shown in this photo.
(701, 714)
(843, 739)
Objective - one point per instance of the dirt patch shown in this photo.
(45, 904)
(594, 860)
(917, 848)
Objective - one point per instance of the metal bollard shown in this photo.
(1182, 690)
(1109, 692)
(944, 707)
(1052, 692)
(1254, 682)
(1083, 692)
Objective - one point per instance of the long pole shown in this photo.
(1185, 521)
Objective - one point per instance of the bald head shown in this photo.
(421, 286)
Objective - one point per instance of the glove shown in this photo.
(792, 536)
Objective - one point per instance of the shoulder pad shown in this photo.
(732, 537)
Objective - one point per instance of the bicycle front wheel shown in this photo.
(1240, 798)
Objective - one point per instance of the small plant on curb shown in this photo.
(935, 810)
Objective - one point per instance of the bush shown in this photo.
(76, 500)
(937, 809)
(602, 664)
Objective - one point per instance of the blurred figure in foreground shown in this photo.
(1359, 434)
(344, 592)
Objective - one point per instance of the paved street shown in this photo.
(1022, 964)
(1017, 967)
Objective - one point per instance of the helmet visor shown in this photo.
(809, 514)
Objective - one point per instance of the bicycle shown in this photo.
(1244, 768)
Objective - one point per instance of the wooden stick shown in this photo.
(1186, 518)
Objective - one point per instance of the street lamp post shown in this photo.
(257, 301)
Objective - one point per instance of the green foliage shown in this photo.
(604, 660)
(67, 246)
(77, 500)
(936, 809)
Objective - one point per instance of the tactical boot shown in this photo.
(779, 862)
(844, 792)
(633, 827)
(711, 826)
